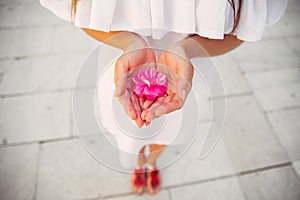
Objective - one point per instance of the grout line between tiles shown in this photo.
(228, 96)
(38, 141)
(249, 72)
(295, 172)
(12, 95)
(251, 171)
(268, 121)
(287, 42)
(281, 109)
(22, 27)
(22, 57)
(292, 83)
(37, 172)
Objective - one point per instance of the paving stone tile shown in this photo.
(267, 34)
(40, 73)
(215, 164)
(25, 42)
(45, 18)
(35, 117)
(26, 2)
(68, 171)
(231, 75)
(3, 68)
(16, 14)
(248, 136)
(5, 40)
(18, 2)
(275, 184)
(279, 97)
(294, 5)
(258, 65)
(6, 2)
(161, 195)
(296, 166)
(287, 128)
(295, 43)
(18, 171)
(11, 15)
(286, 26)
(71, 39)
(273, 78)
(214, 190)
(264, 51)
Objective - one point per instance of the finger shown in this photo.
(120, 86)
(147, 123)
(121, 68)
(143, 115)
(148, 103)
(147, 114)
(165, 109)
(139, 122)
(120, 75)
(136, 104)
(142, 101)
(169, 104)
(168, 98)
(157, 102)
(147, 111)
(127, 105)
(183, 88)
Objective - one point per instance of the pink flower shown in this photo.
(150, 83)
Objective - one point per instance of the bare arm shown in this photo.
(119, 39)
(213, 47)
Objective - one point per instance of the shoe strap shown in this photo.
(149, 166)
(138, 167)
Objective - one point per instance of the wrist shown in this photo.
(187, 47)
(192, 48)
(133, 41)
(180, 49)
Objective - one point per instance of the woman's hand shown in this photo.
(136, 55)
(175, 64)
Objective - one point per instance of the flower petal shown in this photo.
(139, 90)
(159, 90)
(150, 83)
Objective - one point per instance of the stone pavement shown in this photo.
(258, 157)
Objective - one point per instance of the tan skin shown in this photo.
(144, 111)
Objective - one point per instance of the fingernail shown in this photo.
(143, 115)
(148, 119)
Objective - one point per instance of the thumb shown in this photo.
(120, 76)
(182, 90)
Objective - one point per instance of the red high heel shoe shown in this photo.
(138, 179)
(153, 179)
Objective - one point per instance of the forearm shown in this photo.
(197, 46)
(119, 39)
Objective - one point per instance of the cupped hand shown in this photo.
(175, 64)
(128, 63)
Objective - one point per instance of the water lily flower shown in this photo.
(150, 83)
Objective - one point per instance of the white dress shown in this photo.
(207, 18)
(162, 22)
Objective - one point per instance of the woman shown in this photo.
(216, 26)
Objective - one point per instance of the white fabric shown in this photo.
(207, 18)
